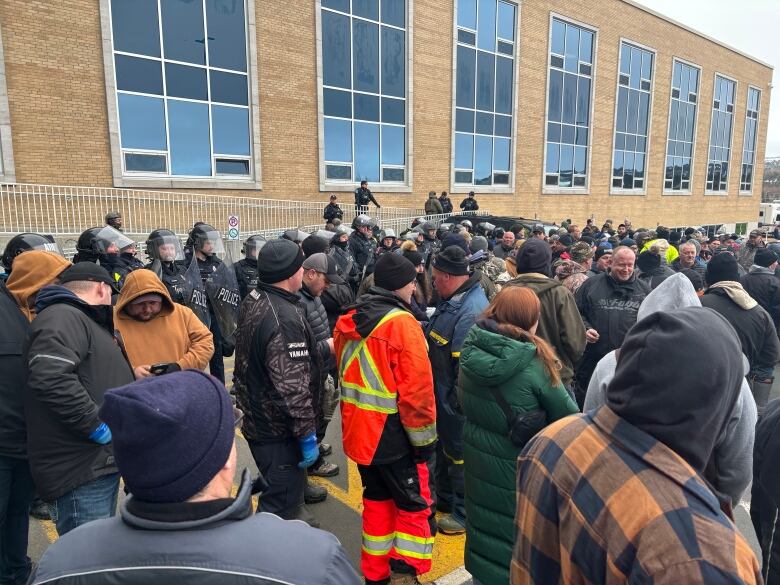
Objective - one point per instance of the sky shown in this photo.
(748, 25)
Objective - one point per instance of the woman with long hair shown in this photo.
(510, 388)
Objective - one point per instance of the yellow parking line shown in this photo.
(50, 530)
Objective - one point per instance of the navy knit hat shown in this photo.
(456, 240)
(171, 434)
(278, 260)
(723, 266)
(534, 256)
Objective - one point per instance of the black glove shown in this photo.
(228, 348)
(425, 454)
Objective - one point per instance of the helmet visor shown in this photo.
(253, 246)
(209, 242)
(165, 249)
(110, 240)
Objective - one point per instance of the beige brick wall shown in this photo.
(54, 67)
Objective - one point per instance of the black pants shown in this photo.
(217, 362)
(16, 493)
(278, 462)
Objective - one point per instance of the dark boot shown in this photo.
(305, 515)
(39, 509)
(313, 493)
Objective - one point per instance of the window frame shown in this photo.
(122, 178)
(7, 166)
(689, 191)
(650, 104)
(462, 188)
(715, 77)
(755, 151)
(557, 190)
(329, 185)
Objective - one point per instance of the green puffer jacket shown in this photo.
(493, 360)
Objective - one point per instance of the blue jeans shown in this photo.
(91, 501)
(16, 493)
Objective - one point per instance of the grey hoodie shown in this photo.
(734, 449)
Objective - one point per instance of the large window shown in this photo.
(568, 105)
(484, 92)
(364, 84)
(635, 83)
(749, 141)
(720, 134)
(682, 127)
(182, 87)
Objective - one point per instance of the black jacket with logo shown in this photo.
(277, 371)
(13, 435)
(332, 211)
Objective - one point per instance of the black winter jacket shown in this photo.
(762, 284)
(754, 328)
(73, 359)
(332, 211)
(334, 299)
(446, 204)
(765, 494)
(656, 276)
(219, 541)
(13, 434)
(469, 204)
(246, 275)
(317, 318)
(362, 250)
(172, 276)
(277, 371)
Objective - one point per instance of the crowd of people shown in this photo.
(586, 405)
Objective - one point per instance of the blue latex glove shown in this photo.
(101, 435)
(310, 450)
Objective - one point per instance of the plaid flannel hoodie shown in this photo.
(601, 502)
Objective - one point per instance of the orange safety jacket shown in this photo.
(388, 407)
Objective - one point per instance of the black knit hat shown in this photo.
(452, 260)
(393, 271)
(647, 261)
(314, 245)
(278, 260)
(413, 256)
(534, 256)
(765, 257)
(171, 434)
(722, 267)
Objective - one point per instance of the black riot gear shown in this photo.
(28, 241)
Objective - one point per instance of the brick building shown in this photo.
(548, 108)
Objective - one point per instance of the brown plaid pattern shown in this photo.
(601, 502)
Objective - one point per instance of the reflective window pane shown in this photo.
(486, 67)
(393, 146)
(586, 46)
(486, 34)
(555, 96)
(366, 152)
(463, 176)
(139, 75)
(342, 5)
(483, 158)
(579, 160)
(366, 8)
(338, 172)
(366, 107)
(229, 88)
(569, 98)
(503, 126)
(395, 175)
(183, 36)
(186, 82)
(365, 61)
(393, 62)
(230, 127)
(558, 37)
(336, 50)
(464, 120)
(501, 154)
(145, 163)
(337, 103)
(232, 167)
(484, 123)
(506, 21)
(467, 14)
(394, 12)
(553, 161)
(142, 122)
(135, 26)
(188, 125)
(393, 111)
(466, 77)
(583, 100)
(227, 34)
(566, 166)
(571, 57)
(338, 140)
(504, 79)
(466, 37)
(464, 151)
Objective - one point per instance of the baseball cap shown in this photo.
(86, 271)
(323, 264)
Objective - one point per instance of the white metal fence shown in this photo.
(65, 212)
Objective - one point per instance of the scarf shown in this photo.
(736, 293)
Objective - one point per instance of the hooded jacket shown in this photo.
(32, 271)
(178, 335)
(388, 410)
(560, 323)
(731, 471)
(73, 359)
(493, 362)
(765, 495)
(762, 284)
(219, 541)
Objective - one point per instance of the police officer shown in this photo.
(339, 249)
(388, 243)
(114, 219)
(430, 245)
(333, 211)
(362, 196)
(25, 242)
(103, 246)
(446, 202)
(361, 245)
(246, 269)
(164, 250)
(469, 203)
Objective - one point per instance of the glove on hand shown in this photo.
(310, 450)
(101, 435)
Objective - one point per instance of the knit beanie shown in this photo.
(602, 251)
(171, 434)
(478, 243)
(413, 256)
(278, 260)
(534, 256)
(456, 240)
(765, 257)
(393, 271)
(696, 280)
(567, 240)
(627, 242)
(648, 261)
(314, 245)
(452, 260)
(722, 267)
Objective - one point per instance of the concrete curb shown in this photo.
(459, 576)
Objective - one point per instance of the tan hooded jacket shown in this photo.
(174, 335)
(31, 272)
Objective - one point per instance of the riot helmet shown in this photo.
(25, 242)
(114, 219)
(165, 246)
(252, 246)
(467, 224)
(110, 240)
(206, 240)
(295, 235)
(362, 220)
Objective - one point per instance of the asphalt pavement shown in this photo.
(340, 513)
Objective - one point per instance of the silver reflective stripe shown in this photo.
(112, 570)
(422, 436)
(378, 545)
(370, 401)
(51, 357)
(412, 547)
